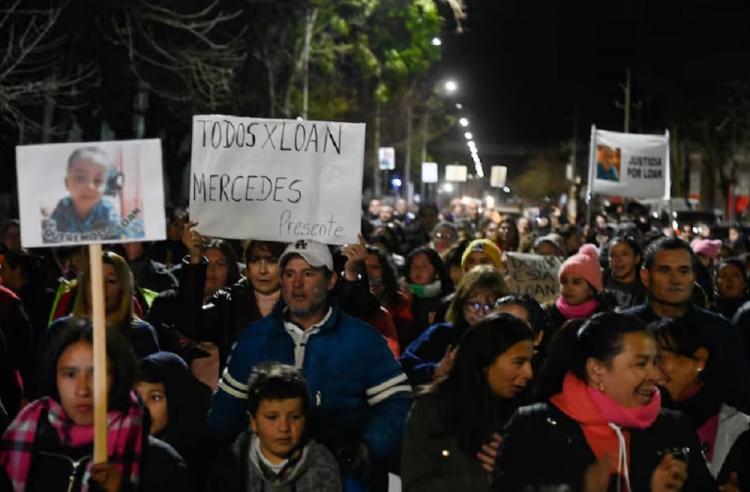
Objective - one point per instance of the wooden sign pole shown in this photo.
(100, 353)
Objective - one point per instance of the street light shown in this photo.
(451, 86)
(436, 41)
(468, 135)
(463, 122)
(459, 106)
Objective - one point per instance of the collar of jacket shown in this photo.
(333, 320)
(650, 315)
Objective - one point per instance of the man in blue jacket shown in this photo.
(358, 392)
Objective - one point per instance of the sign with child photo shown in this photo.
(277, 180)
(629, 164)
(86, 193)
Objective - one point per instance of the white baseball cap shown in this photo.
(313, 252)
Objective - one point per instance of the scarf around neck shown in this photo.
(579, 311)
(124, 440)
(604, 422)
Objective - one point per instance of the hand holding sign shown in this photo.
(93, 195)
(356, 254)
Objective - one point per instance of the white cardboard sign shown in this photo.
(429, 172)
(534, 275)
(456, 174)
(90, 192)
(277, 180)
(386, 158)
(498, 176)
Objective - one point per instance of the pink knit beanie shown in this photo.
(708, 247)
(584, 264)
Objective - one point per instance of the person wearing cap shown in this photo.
(359, 394)
(668, 272)
(707, 251)
(481, 252)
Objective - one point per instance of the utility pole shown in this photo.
(425, 127)
(407, 158)
(626, 89)
(309, 21)
(376, 144)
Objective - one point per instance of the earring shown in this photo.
(699, 370)
(600, 385)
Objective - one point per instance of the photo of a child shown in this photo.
(90, 192)
(84, 209)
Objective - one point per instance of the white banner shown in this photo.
(456, 174)
(629, 164)
(429, 172)
(90, 192)
(277, 180)
(386, 158)
(498, 176)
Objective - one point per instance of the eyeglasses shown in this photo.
(479, 307)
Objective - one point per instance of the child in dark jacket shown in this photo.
(273, 454)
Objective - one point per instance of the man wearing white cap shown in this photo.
(359, 394)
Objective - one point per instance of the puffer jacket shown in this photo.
(358, 391)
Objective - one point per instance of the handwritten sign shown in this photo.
(89, 193)
(534, 275)
(277, 180)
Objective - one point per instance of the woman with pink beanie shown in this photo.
(581, 288)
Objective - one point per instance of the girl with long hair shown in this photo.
(449, 442)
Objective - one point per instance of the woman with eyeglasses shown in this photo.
(431, 355)
(450, 441)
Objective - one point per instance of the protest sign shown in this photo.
(429, 172)
(277, 180)
(629, 165)
(534, 275)
(386, 158)
(94, 192)
(455, 173)
(498, 176)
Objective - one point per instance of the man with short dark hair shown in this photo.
(668, 275)
(359, 394)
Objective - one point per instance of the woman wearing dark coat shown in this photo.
(48, 447)
(695, 383)
(448, 443)
(601, 426)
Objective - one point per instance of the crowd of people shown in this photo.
(264, 366)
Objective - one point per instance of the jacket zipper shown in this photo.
(74, 463)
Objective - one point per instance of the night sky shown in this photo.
(529, 69)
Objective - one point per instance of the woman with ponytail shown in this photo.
(601, 426)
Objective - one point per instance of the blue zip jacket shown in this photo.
(358, 392)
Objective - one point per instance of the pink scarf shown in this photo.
(579, 311)
(595, 412)
(124, 440)
(630, 418)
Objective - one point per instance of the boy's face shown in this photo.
(279, 425)
(85, 183)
